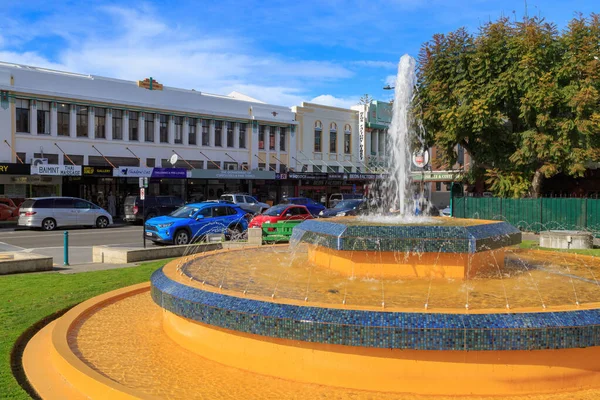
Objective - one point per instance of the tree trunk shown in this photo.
(536, 184)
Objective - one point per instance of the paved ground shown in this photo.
(80, 241)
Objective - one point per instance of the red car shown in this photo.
(279, 213)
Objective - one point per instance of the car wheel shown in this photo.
(48, 224)
(234, 232)
(102, 222)
(181, 238)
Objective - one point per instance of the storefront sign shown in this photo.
(231, 174)
(60, 170)
(313, 176)
(361, 135)
(176, 173)
(363, 177)
(97, 171)
(133, 172)
(337, 176)
(15, 169)
(437, 176)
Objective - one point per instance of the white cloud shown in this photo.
(329, 100)
(142, 45)
(375, 64)
(390, 80)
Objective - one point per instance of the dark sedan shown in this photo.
(341, 209)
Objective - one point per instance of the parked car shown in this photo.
(370, 206)
(445, 212)
(137, 210)
(194, 221)
(5, 202)
(279, 213)
(337, 197)
(49, 213)
(342, 209)
(246, 202)
(313, 207)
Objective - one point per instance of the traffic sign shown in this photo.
(143, 182)
(142, 193)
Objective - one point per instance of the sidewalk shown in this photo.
(78, 268)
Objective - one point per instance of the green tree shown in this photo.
(521, 97)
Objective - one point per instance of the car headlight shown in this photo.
(341, 214)
(163, 226)
(267, 222)
(321, 213)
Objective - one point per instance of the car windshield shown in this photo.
(184, 212)
(275, 211)
(227, 197)
(347, 204)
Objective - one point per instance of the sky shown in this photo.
(278, 51)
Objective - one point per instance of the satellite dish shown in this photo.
(173, 159)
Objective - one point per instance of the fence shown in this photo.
(533, 215)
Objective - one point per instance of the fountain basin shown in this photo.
(442, 248)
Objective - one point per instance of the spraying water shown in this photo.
(400, 139)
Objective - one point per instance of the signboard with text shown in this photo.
(57, 170)
(97, 171)
(231, 174)
(15, 169)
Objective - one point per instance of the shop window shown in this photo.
(22, 156)
(205, 132)
(192, 137)
(63, 119)
(438, 186)
(261, 137)
(282, 139)
(272, 138)
(22, 115)
(219, 133)
(82, 121)
(151, 162)
(229, 130)
(242, 136)
(149, 127)
(318, 134)
(178, 130)
(133, 126)
(43, 118)
(117, 124)
(447, 186)
(164, 128)
(99, 123)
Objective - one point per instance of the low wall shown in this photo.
(25, 262)
(126, 255)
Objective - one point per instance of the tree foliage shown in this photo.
(521, 97)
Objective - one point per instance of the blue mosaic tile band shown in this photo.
(393, 330)
(415, 238)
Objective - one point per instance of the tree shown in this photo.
(521, 97)
(365, 100)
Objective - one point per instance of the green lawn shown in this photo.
(28, 298)
(533, 244)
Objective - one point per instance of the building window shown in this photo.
(63, 117)
(43, 118)
(316, 168)
(438, 186)
(99, 123)
(230, 165)
(242, 136)
(272, 138)
(22, 115)
(347, 170)
(205, 132)
(82, 121)
(178, 130)
(219, 133)
(261, 137)
(332, 170)
(333, 138)
(133, 126)
(213, 165)
(318, 133)
(149, 127)
(283, 168)
(192, 139)
(281, 139)
(117, 124)
(164, 128)
(347, 139)
(229, 130)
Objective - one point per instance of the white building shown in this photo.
(85, 120)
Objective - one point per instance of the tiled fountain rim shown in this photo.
(488, 235)
(404, 330)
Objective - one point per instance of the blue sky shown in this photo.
(279, 51)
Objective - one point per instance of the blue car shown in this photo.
(313, 207)
(194, 221)
(342, 209)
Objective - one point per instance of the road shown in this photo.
(80, 241)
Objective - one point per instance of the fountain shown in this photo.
(386, 304)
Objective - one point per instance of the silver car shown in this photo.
(246, 203)
(49, 213)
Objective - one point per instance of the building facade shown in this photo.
(102, 134)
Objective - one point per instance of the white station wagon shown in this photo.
(50, 213)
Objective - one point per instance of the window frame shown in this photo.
(149, 127)
(117, 124)
(63, 119)
(192, 131)
(23, 115)
(43, 118)
(178, 130)
(99, 123)
(133, 132)
(242, 135)
(81, 121)
(318, 134)
(219, 133)
(163, 128)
